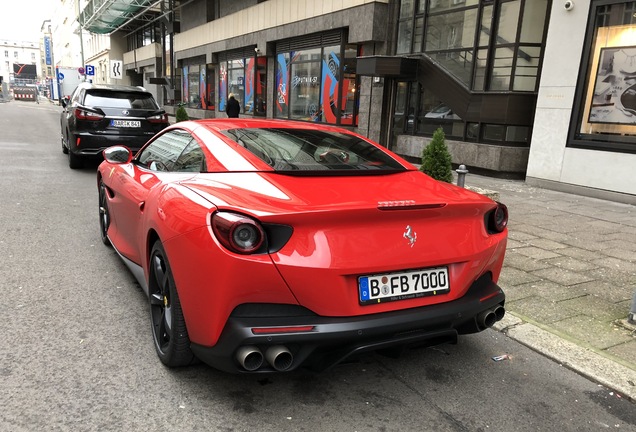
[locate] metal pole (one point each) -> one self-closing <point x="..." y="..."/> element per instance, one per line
<point x="461" y="175"/>
<point x="631" y="316"/>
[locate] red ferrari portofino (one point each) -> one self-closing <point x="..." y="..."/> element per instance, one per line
<point x="268" y="245"/>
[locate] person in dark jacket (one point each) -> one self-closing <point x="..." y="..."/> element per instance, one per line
<point x="233" y="107"/>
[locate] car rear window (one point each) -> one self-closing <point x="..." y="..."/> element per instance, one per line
<point x="304" y="150"/>
<point x="120" y="99"/>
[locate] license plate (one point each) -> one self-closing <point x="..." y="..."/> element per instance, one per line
<point x="125" y="123"/>
<point x="402" y="286"/>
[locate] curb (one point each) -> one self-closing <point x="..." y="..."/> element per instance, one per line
<point x="581" y="360"/>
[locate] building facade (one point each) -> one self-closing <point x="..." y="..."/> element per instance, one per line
<point x="520" y="87"/>
<point x="584" y="137"/>
<point x="20" y="62"/>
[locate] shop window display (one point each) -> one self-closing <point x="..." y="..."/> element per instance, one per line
<point x="607" y="111"/>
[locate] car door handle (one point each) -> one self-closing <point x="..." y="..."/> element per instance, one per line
<point x="141" y="205"/>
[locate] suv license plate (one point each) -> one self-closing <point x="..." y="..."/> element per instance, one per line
<point x="389" y="287"/>
<point x="125" y="123"/>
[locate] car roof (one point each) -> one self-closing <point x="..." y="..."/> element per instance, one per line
<point x="112" y="87"/>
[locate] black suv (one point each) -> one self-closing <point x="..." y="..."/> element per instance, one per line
<point x="98" y="116"/>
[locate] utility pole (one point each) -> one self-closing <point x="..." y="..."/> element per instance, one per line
<point x="81" y="30"/>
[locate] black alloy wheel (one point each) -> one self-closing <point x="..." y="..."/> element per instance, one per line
<point x="104" y="214"/>
<point x="169" y="331"/>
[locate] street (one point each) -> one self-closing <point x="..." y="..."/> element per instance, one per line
<point x="76" y="351"/>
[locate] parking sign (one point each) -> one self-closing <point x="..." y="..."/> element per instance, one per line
<point x="90" y="70"/>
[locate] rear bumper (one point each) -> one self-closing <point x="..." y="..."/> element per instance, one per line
<point x="93" y="144"/>
<point x="332" y="340"/>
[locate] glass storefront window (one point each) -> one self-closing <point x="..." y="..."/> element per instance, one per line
<point x="606" y="102"/>
<point x="283" y="67"/>
<point x="260" y="82"/>
<point x="222" y="86"/>
<point x="349" y="108"/>
<point x="317" y="84"/>
<point x="236" y="81"/>
<point x="193" y="88"/>
<point x="304" y="102"/>
<point x="210" y="93"/>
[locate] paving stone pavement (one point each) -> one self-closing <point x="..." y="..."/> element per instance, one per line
<point x="570" y="268"/>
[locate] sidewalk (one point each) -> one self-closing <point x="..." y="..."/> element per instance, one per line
<point x="569" y="277"/>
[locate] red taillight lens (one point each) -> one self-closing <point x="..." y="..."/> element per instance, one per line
<point x="498" y="218"/>
<point x="82" y="114"/>
<point x="238" y="233"/>
<point x="159" y="118"/>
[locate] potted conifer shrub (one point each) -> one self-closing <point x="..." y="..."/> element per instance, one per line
<point x="181" y="114"/>
<point x="436" y="160"/>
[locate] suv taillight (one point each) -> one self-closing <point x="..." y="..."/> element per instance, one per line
<point x="82" y="114"/>
<point x="159" y="118"/>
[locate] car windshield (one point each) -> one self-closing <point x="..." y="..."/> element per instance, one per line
<point x="120" y="99"/>
<point x="308" y="151"/>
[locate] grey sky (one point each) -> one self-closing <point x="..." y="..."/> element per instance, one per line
<point x="21" y="20"/>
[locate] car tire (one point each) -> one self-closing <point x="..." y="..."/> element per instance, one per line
<point x="64" y="148"/>
<point x="104" y="214"/>
<point x="169" y="331"/>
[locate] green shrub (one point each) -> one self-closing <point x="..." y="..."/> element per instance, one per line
<point x="181" y="113"/>
<point x="436" y="160"/>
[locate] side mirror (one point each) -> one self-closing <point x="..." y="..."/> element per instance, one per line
<point x="117" y="155"/>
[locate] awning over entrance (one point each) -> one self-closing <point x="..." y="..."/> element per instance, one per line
<point x="106" y="16"/>
<point x="387" y="66"/>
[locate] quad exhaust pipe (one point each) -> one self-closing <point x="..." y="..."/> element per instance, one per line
<point x="488" y="318"/>
<point x="251" y="358"/>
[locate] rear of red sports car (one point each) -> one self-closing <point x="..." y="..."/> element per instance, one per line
<point x="297" y="266"/>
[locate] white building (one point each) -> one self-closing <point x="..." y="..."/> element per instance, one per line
<point x="584" y="137"/>
<point x="21" y="60"/>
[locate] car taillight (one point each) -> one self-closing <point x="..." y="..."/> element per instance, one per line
<point x="82" y="114"/>
<point x="159" y="118"/>
<point x="238" y="233"/>
<point x="497" y="219"/>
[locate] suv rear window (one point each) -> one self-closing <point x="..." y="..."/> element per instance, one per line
<point x="120" y="99"/>
<point x="295" y="150"/>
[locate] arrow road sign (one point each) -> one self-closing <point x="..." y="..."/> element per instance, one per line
<point x="116" y="67"/>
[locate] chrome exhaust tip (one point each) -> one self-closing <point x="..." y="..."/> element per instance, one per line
<point x="249" y="357"/>
<point x="279" y="357"/>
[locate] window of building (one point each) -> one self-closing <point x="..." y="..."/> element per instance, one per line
<point x="6" y="53"/>
<point x="196" y="93"/>
<point x="461" y="35"/>
<point x="236" y="81"/>
<point x="318" y="84"/>
<point x="15" y="54"/>
<point x="605" y="104"/>
<point x="246" y="80"/>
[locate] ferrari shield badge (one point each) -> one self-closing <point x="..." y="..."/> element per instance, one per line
<point x="410" y="235"/>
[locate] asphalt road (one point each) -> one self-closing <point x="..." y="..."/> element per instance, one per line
<point x="76" y="352"/>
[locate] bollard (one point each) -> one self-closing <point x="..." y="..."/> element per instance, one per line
<point x="631" y="316"/>
<point x="461" y="175"/>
